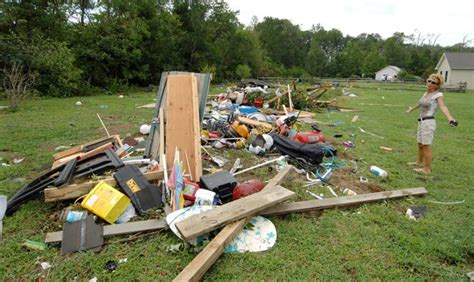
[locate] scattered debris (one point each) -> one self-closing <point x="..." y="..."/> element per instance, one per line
<point x="3" y="208"/>
<point x="61" y="148"/>
<point x="447" y="203"/>
<point x="125" y="180"/>
<point x="416" y="212"/>
<point x="18" y="161"/>
<point x="378" y="171"/>
<point x="34" y="245"/>
<point x="145" y="129"/>
<point x="111" y="265"/>
<point x="371" y="134"/>
<point x="45" y="265"/>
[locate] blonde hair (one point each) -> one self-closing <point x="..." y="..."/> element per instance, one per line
<point x="438" y="78"/>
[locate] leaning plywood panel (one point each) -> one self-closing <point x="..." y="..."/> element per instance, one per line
<point x="182" y="123"/>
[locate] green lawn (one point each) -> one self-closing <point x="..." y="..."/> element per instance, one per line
<point x="373" y="241"/>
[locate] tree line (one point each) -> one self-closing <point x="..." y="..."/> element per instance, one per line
<point x="74" y="47"/>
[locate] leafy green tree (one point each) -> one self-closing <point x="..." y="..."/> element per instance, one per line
<point x="54" y="65"/>
<point x="284" y="42"/>
<point x="243" y="71"/>
<point x="350" y="59"/>
<point x="325" y="47"/>
<point x="372" y="63"/>
<point x="394" y="51"/>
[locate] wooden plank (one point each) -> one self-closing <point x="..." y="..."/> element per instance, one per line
<point x="117" y="229"/>
<point x="182" y="122"/>
<point x="312" y="205"/>
<point x="74" y="191"/>
<point x="206" y="258"/>
<point x="80" y="148"/>
<point x="82" y="155"/>
<point x="255" y="123"/>
<point x="209" y="255"/>
<point x="210" y="220"/>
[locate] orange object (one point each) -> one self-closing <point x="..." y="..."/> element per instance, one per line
<point x="241" y="129"/>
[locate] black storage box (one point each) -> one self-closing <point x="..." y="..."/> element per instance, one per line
<point x="222" y="183"/>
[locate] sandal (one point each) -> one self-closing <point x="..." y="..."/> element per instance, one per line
<point x="421" y="170"/>
<point x="413" y="164"/>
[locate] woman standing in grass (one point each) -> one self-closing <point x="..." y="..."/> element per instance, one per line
<point x="426" y="121"/>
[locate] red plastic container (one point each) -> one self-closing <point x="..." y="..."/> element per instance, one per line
<point x="258" y="102"/>
<point x="189" y="190"/>
<point x="247" y="188"/>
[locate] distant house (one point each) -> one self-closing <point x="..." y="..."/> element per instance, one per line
<point x="388" y="73"/>
<point x="457" y="68"/>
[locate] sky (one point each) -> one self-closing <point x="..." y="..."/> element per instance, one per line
<point x="449" y="21"/>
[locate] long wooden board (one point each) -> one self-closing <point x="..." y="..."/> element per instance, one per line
<point x="117" y="229"/>
<point x="210" y="220"/>
<point x="74" y="191"/>
<point x="206" y="258"/>
<point x="182" y="123"/>
<point x="312" y="205"/>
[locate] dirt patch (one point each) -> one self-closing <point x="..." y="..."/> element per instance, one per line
<point x="344" y="178"/>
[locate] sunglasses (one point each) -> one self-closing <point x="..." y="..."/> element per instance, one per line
<point x="432" y="82"/>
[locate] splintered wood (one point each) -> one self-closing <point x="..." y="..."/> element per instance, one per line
<point x="182" y="123"/>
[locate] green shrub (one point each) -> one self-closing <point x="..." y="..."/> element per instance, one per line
<point x="243" y="71"/>
<point x="54" y="66"/>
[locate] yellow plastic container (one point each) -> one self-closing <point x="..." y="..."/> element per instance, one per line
<point x="106" y="202"/>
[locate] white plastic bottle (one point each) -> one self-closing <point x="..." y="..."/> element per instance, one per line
<point x="378" y="171"/>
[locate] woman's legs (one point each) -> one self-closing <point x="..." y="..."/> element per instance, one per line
<point x="421" y="155"/>
<point x="428" y="156"/>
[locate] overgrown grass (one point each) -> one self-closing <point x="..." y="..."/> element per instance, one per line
<point x="373" y="241"/>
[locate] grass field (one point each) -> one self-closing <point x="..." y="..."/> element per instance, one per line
<point x="372" y="241"/>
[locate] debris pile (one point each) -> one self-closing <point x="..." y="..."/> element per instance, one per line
<point x="118" y="184"/>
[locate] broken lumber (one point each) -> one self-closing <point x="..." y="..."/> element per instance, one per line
<point x="255" y="123"/>
<point x="87" y="147"/>
<point x="312" y="205"/>
<point x="54" y="194"/>
<point x="209" y="255"/>
<point x="210" y="220"/>
<point x="117" y="229"/>
<point x="206" y="258"/>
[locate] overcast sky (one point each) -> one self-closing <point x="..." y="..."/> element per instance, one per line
<point x="451" y="19"/>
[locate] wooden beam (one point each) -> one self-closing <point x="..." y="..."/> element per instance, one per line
<point x="206" y="258"/>
<point x="312" y="205"/>
<point x="208" y="221"/>
<point x="74" y="191"/>
<point x="182" y="122"/>
<point x="80" y="148"/>
<point x="209" y="255"/>
<point x="117" y="229"/>
<point x="255" y="123"/>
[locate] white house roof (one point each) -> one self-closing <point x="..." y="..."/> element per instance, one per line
<point x="394" y="68"/>
<point x="458" y="61"/>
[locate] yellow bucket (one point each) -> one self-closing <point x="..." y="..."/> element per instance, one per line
<point x="106" y="202"/>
